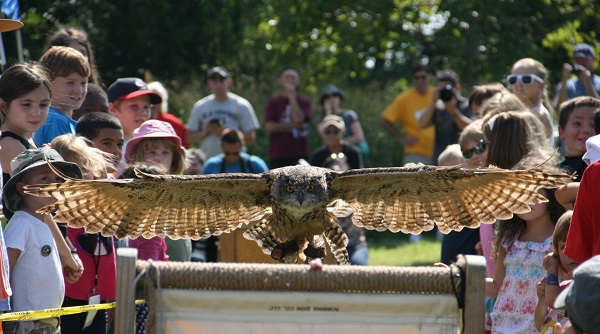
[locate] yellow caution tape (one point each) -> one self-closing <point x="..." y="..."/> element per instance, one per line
<point x="57" y="312"/>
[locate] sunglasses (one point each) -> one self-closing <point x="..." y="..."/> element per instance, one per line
<point x="477" y="150"/>
<point x="526" y="79"/>
<point x="332" y="132"/>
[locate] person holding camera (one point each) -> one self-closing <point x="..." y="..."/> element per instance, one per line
<point x="448" y="111"/>
<point x="584" y="82"/>
<point x="219" y="110"/>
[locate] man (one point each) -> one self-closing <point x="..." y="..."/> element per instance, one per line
<point x="448" y="111"/>
<point x="585" y="82"/>
<point x="232" y="160"/>
<point x="406" y="110"/>
<point x="222" y="109"/>
<point x="286" y="121"/>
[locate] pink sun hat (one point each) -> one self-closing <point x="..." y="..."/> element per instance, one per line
<point x="151" y="129"/>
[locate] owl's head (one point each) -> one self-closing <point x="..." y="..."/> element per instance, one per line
<point x="300" y="186"/>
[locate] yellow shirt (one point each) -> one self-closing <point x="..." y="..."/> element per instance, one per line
<point x="406" y="110"/>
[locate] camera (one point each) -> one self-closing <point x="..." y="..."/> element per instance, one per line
<point x="216" y="121"/>
<point x="576" y="69"/>
<point x="447" y="93"/>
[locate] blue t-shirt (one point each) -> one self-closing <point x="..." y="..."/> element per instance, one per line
<point x="575" y="87"/>
<point x="251" y="164"/>
<point x="56" y="124"/>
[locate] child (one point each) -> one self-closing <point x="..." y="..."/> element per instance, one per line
<point x="575" y="127"/>
<point x="70" y="72"/>
<point x="472" y="145"/>
<point x="104" y="131"/>
<point x="520" y="245"/>
<point x="36" y="276"/>
<point x="155" y="142"/>
<point x="96" y="252"/>
<point x="129" y="99"/>
<point x="560" y="272"/>
<point x="456" y="242"/>
<point x="24" y="108"/>
<point x="95" y="100"/>
<point x="527" y="80"/>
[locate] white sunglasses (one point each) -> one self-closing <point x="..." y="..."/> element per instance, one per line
<point x="526" y="79"/>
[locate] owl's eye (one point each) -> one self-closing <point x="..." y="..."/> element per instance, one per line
<point x="311" y="187"/>
<point x="289" y="189"/>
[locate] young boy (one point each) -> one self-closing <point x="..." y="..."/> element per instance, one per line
<point x="575" y="126"/>
<point x="129" y="100"/>
<point x="36" y="275"/>
<point x="95" y="100"/>
<point x="70" y="72"/>
<point x="104" y="131"/>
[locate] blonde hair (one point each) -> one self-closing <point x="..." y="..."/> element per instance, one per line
<point x="451" y="154"/>
<point x="503" y="101"/>
<point x="542" y="72"/>
<point x="138" y="155"/>
<point x="80" y="150"/>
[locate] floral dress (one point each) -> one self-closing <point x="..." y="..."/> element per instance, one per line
<point x="517" y="298"/>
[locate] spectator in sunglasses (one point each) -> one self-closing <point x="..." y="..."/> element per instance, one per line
<point x="406" y="110"/>
<point x="447" y="110"/>
<point x="578" y="79"/>
<point x="528" y="81"/>
<point x="332" y="130"/>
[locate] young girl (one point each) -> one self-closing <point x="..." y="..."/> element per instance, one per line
<point x="155" y="142"/>
<point x="560" y="273"/>
<point x="528" y="81"/>
<point x="520" y="245"/>
<point x="96" y="252"/>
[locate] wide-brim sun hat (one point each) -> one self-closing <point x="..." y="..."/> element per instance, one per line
<point x="10" y="25"/>
<point x="27" y="160"/>
<point x="151" y="129"/>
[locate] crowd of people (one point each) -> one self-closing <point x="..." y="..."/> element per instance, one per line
<point x="57" y="110"/>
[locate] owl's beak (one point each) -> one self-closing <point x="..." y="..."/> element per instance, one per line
<point x="300" y="197"/>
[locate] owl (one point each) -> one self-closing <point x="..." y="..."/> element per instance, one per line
<point x="291" y="212"/>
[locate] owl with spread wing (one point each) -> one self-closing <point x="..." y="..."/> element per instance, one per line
<point x="291" y="212"/>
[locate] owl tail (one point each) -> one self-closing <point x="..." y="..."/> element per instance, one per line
<point x="264" y="236"/>
<point x="337" y="240"/>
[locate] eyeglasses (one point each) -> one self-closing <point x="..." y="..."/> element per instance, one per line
<point x="332" y="132"/>
<point x="526" y="79"/>
<point x="475" y="150"/>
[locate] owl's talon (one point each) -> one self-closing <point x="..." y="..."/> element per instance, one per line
<point x="313" y="252"/>
<point x="284" y="249"/>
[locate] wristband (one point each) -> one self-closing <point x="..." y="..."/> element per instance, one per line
<point x="551" y="279"/>
<point x="74" y="251"/>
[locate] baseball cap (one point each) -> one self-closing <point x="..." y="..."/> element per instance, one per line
<point x="151" y="129"/>
<point x="9" y="25"/>
<point x="333" y="120"/>
<point x="583" y="50"/>
<point x="129" y="88"/>
<point x="27" y="160"/>
<point x="217" y="71"/>
<point x="582" y="296"/>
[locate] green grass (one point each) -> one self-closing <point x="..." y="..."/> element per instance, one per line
<point x="394" y="249"/>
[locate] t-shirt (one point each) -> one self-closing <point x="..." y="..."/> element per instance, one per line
<point x="574" y="165"/>
<point x="246" y="164"/>
<point x="575" y="87"/>
<point x="56" y="124"/>
<point x="289" y="144"/>
<point x="407" y="110"/>
<point x="235" y="113"/>
<point x="36" y="278"/>
<point x="446" y="130"/>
